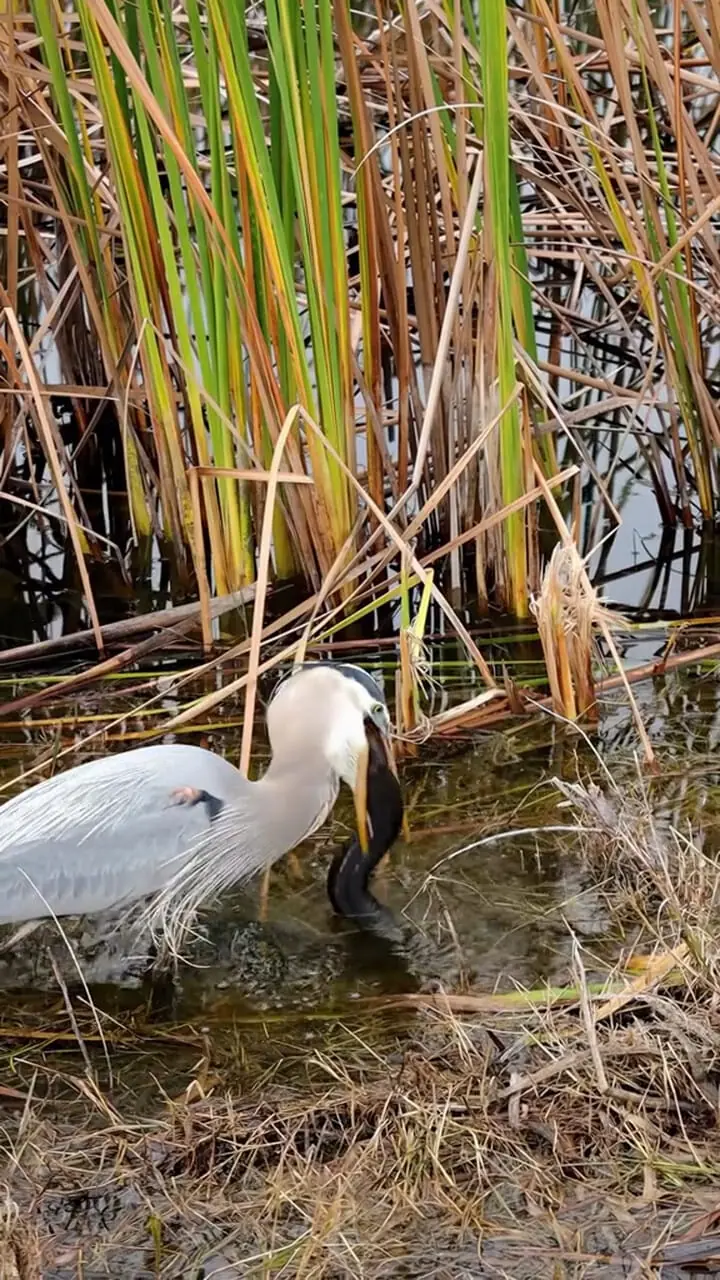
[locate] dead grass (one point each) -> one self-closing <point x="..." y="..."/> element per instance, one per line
<point x="545" y="1137"/>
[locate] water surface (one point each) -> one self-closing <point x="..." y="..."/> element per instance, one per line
<point x="477" y="904"/>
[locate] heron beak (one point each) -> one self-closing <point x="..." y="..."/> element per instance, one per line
<point x="361" y="797"/>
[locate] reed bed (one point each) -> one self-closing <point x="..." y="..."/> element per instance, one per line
<point x="549" y="1133"/>
<point x="395" y="275"/>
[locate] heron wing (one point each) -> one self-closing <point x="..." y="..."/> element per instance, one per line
<point x="107" y="831"/>
<point x="252" y="833"/>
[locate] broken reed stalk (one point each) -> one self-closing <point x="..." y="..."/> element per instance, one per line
<point x="115" y="632"/>
<point x="567" y="614"/>
<point x="585" y="611"/>
<point x="405" y="686"/>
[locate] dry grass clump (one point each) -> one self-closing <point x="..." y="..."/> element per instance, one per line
<point x="19" y="1243"/>
<point x="518" y="1137"/>
<point x="663" y="882"/>
<point x="504" y="1130"/>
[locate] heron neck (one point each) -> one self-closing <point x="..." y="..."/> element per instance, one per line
<point x="290" y="801"/>
<point x="299" y="772"/>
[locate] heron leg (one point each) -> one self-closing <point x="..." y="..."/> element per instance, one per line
<point x="160" y="984"/>
<point x="264" y="891"/>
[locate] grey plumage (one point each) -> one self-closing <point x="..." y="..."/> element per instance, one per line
<point x="177" y="823"/>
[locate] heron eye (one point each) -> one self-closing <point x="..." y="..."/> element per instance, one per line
<point x="377" y="709"/>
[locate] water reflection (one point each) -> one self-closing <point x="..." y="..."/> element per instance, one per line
<point x="663" y="574"/>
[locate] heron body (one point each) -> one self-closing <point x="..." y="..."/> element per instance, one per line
<point x="117" y="829"/>
<point x="178" y="824"/>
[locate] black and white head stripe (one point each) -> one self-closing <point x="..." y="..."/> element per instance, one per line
<point x="346" y="669"/>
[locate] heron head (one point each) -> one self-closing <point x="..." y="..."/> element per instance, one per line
<point x="341" y="705"/>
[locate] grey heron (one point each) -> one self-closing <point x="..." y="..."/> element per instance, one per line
<point x="174" y="825"/>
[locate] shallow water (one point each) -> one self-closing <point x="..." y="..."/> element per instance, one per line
<point x="279" y="994"/>
<point x="477" y="903"/>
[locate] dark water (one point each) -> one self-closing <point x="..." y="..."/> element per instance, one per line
<point x="483" y="893"/>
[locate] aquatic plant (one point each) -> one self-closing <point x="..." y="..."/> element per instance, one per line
<point x="416" y="280"/>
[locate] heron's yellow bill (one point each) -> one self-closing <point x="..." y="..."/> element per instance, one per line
<point x="361" y="797"/>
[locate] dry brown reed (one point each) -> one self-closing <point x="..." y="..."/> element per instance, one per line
<point x="131" y="298"/>
<point x="569" y="617"/>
